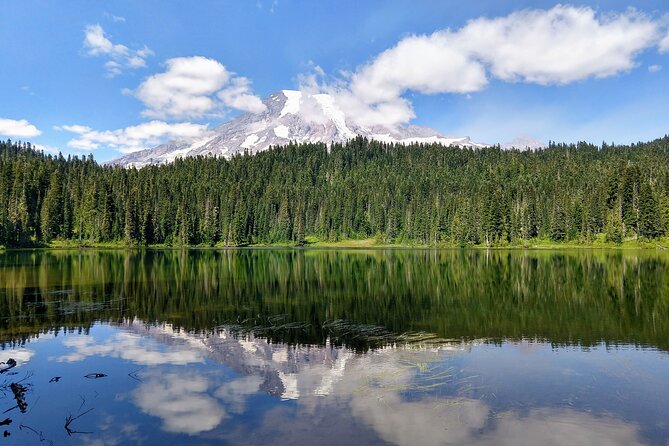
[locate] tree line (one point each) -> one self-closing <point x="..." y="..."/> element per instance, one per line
<point x="420" y="193"/>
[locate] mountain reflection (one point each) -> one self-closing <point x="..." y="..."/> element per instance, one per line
<point x="402" y="394"/>
<point x="348" y="347"/>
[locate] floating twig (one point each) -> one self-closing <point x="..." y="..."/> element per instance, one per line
<point x="69" y="420"/>
<point x="134" y="376"/>
<point x="40" y="434"/>
<point x="95" y="375"/>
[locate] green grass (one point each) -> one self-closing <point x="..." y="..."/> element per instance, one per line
<point x="378" y="242"/>
<point x="74" y="244"/>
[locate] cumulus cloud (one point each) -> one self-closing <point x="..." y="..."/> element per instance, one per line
<point x="238" y="96"/>
<point x="428" y="64"/>
<point x="97" y="43"/>
<point x="557" y="46"/>
<point x="133" y="138"/>
<point x="18" y="128"/>
<point x="192" y="87"/>
<point x="655" y="68"/>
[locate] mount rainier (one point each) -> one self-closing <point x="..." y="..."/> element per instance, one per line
<point x="290" y="115"/>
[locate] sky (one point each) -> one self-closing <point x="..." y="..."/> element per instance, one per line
<point x="114" y="77"/>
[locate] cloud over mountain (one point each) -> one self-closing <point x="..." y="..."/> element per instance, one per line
<point x="192" y="87"/>
<point x="556" y="46"/>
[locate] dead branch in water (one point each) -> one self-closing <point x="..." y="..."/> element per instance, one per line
<point x="69" y="420"/>
<point x="19" y="391"/>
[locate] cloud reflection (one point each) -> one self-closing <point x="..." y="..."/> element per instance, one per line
<point x="20" y="355"/>
<point x="391" y="394"/>
<point x="130" y="347"/>
<point x="181" y="400"/>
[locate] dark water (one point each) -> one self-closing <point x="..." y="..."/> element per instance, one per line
<point x="407" y="347"/>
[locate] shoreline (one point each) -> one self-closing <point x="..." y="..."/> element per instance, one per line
<point x="363" y="244"/>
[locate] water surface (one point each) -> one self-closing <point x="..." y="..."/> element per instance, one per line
<point x="399" y="347"/>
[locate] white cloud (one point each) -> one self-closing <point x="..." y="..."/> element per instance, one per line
<point x="192" y="87"/>
<point x="428" y="64"/>
<point x="133" y="138"/>
<point x="556" y="46"/>
<point x="238" y="96"/>
<point x="655" y="68"/>
<point x="18" y="128"/>
<point x="664" y="43"/>
<point x="114" y="18"/>
<point x="120" y="56"/>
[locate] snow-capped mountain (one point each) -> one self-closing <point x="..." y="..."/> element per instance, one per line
<point x="524" y="143"/>
<point x="290" y="116"/>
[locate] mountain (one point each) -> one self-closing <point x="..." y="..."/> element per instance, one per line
<point x="524" y="142"/>
<point x="290" y="116"/>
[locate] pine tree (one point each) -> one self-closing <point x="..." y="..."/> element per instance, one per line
<point x="630" y="199"/>
<point x="649" y="213"/>
<point x="614" y="227"/>
<point x="52" y="209"/>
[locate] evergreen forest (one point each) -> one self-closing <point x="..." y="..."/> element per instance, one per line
<point x="419" y="194"/>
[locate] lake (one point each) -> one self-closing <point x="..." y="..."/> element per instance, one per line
<point x="273" y="346"/>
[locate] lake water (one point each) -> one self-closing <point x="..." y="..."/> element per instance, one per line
<point x="406" y="347"/>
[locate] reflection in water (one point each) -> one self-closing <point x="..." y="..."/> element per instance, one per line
<point x="181" y="399"/>
<point x="129" y="347"/>
<point x="294" y="296"/>
<point x="292" y="347"/>
<point x="404" y="394"/>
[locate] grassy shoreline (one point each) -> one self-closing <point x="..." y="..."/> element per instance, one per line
<point x="370" y="243"/>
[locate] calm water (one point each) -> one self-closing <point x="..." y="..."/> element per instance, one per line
<point x="406" y="347"/>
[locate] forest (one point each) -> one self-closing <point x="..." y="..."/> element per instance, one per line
<point x="418" y="194"/>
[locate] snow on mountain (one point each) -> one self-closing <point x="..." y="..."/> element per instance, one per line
<point x="290" y="116"/>
<point x="524" y="143"/>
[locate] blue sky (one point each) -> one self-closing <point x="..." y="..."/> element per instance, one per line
<point x="87" y="77"/>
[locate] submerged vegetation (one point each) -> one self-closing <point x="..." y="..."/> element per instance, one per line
<point x="427" y="195"/>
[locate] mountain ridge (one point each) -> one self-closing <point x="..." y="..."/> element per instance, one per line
<point x="290" y="116"/>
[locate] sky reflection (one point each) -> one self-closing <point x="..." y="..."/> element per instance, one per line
<point x="247" y="390"/>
